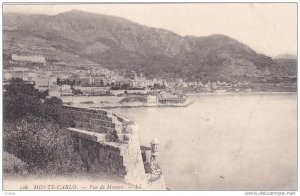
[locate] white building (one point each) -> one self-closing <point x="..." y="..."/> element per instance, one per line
<point x="54" y="91"/>
<point x="139" y="82"/>
<point x="20" y="69"/>
<point x="45" y="81"/>
<point x="29" y="76"/>
<point x="8" y="76"/>
<point x="35" y="59"/>
<point x="66" y="90"/>
<point x="152" y="99"/>
<point x="65" y="87"/>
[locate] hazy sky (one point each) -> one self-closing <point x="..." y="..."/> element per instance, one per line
<point x="268" y="28"/>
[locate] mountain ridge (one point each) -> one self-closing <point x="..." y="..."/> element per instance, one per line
<point x="118" y="43"/>
<point x="285" y="56"/>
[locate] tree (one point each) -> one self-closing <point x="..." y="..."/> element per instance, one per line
<point x="125" y="86"/>
<point x="101" y="83"/>
<point x="53" y="109"/>
<point x="20" y="99"/>
<point x="34" y="133"/>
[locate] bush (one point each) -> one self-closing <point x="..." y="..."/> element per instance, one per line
<point x="12" y="165"/>
<point x="33" y="131"/>
<point x="42" y="145"/>
<point x="134" y="99"/>
<point x="21" y="99"/>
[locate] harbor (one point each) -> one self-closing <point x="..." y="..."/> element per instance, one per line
<point x="129" y="101"/>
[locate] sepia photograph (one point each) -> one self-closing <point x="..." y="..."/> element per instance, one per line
<point x="150" y="96"/>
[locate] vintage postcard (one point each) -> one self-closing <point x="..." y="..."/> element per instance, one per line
<point x="150" y="96"/>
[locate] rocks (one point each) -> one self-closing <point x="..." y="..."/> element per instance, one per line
<point x="152" y="170"/>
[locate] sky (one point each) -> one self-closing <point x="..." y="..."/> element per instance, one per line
<point x="268" y="28"/>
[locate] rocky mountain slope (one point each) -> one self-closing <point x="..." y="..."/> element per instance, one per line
<point x="82" y="39"/>
<point x="287" y="63"/>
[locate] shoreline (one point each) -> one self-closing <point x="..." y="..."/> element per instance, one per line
<point x="112" y="105"/>
<point x="204" y="93"/>
<point x="240" y="93"/>
<point x="134" y="105"/>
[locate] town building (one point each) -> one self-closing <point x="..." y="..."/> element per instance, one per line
<point x="100" y="80"/>
<point x="66" y="90"/>
<point x="93" y="91"/>
<point x="166" y="98"/>
<point x="85" y="81"/>
<point x="54" y="91"/>
<point x="34" y="59"/>
<point x="7" y="75"/>
<point x="27" y="75"/>
<point x="138" y="81"/>
<point x="44" y="83"/>
<point x="20" y="69"/>
<point x="152" y="99"/>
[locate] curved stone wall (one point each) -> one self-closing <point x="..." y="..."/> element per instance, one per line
<point x="110" y="143"/>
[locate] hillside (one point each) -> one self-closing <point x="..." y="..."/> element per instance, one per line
<point x="288" y="63"/>
<point x="82" y="39"/>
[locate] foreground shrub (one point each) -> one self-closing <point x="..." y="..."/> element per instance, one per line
<point x="12" y="165"/>
<point x="42" y="145"/>
<point x="21" y="99"/>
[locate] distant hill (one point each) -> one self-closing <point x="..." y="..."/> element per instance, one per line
<point x="286" y="56"/>
<point x="84" y="38"/>
<point x="287" y="63"/>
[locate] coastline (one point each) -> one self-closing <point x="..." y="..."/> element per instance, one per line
<point x="134" y="105"/>
<point x="113" y="105"/>
<point x="240" y="93"/>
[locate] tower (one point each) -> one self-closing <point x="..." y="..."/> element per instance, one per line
<point x="154" y="148"/>
<point x="135" y="76"/>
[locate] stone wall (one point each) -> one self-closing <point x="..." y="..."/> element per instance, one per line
<point x="108" y="142"/>
<point x="100" y="158"/>
<point x="99" y="121"/>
